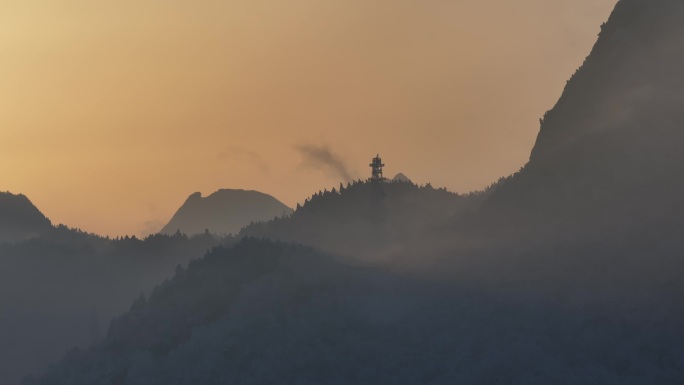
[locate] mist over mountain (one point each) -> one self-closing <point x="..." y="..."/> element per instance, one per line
<point x="568" y="272"/>
<point x="224" y="212"/>
<point x="264" y="312"/>
<point x="20" y="219"/>
<point x="368" y="222"/>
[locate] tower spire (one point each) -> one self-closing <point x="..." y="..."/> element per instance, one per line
<point x="376" y="167"/>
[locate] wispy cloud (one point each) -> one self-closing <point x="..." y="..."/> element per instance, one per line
<point x="323" y="158"/>
<point x="242" y="155"/>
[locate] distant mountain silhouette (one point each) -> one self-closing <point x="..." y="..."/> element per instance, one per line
<point x="20" y="219"/>
<point x="224" y="212"/>
<point x="401" y="178"/>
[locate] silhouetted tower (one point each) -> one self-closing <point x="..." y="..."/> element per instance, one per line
<point x="377" y="190"/>
<point x="377" y="166"/>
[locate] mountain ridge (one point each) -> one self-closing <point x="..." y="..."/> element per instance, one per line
<point x="225" y="211"/>
<point x="20" y="219"/>
<point x="612" y="142"/>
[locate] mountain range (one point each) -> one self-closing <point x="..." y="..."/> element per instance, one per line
<point x="60" y="287"/>
<point x="568" y="272"/>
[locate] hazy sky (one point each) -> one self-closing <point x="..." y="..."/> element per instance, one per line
<point x="112" y="113"/>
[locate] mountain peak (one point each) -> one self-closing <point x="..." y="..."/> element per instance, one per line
<point x="225" y="211"/>
<point x="20" y="219"/>
<point x="615" y="133"/>
<point x="401" y="178"/>
<point x="632" y="75"/>
<point x="195" y="196"/>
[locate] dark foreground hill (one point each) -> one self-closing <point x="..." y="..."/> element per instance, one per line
<point x="224" y="212"/>
<point x="250" y="280"/>
<point x="265" y="313"/>
<point x="61" y="289"/>
<point x="20" y="219"/>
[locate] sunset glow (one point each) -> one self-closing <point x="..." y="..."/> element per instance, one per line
<point x="112" y="113"/>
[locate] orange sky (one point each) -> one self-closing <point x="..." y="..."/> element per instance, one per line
<point x="112" y="113"/>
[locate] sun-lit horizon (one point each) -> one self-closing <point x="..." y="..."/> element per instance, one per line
<point x="111" y="115"/>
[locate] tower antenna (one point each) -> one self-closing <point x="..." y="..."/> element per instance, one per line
<point x="377" y="165"/>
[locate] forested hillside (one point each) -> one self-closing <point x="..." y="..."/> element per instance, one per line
<point x="368" y="222"/>
<point x="264" y="313"/>
<point x="60" y="290"/>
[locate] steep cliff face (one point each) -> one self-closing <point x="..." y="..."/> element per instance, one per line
<point x="224" y="212"/>
<point x="612" y="147"/>
<point x="20" y="219"/>
<point x="630" y="84"/>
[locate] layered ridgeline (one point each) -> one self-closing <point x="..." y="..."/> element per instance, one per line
<point x="265" y="313"/>
<point x="224" y="212"/>
<point x="20" y="219"/>
<point x="609" y="154"/>
<point x="566" y="309"/>
<point x="248" y="284"/>
<point x="59" y="287"/>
